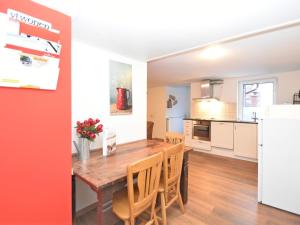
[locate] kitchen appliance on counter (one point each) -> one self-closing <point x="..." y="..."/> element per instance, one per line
<point x="201" y="130"/>
<point x="296" y="98"/>
<point x="279" y="157"/>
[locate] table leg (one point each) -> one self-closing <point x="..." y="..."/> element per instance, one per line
<point x="184" y="178"/>
<point x="73" y="199"/>
<point x="105" y="215"/>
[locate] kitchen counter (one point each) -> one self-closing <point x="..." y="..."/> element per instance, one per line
<point x="216" y="120"/>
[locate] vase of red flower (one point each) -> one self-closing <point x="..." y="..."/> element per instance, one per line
<point x="87" y="132"/>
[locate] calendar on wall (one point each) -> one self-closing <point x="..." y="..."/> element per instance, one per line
<point x="29" y="52"/>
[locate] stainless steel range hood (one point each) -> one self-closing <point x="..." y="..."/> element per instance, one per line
<point x="207" y="89"/>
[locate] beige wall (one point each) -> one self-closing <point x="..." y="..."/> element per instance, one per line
<point x="156" y="110"/>
<point x="287" y="84"/>
<point x="214" y="110"/>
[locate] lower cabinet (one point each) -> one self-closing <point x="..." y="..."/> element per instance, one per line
<point x="245" y="140"/>
<point x="227" y="138"/>
<point x="203" y="145"/>
<point x="187" y="129"/>
<point x="222" y="135"/>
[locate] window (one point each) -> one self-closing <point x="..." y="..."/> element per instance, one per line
<point x="254" y="96"/>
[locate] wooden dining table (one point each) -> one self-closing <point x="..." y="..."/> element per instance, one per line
<point x="108" y="174"/>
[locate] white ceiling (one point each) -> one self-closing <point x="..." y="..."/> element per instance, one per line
<point x="267" y="53"/>
<point x="149" y="30"/>
<point x="144" y="29"/>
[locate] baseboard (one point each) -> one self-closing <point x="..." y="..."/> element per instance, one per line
<point x="224" y="153"/>
<point x="157" y="139"/>
<point x="86" y="209"/>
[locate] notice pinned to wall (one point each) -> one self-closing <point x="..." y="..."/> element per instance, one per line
<point x="29" y="52"/>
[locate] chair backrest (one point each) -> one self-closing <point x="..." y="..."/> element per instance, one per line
<point x="172" y="166"/>
<point x="174" y="138"/>
<point x="148" y="173"/>
<point x="150" y="125"/>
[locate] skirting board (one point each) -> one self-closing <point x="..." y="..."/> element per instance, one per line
<point x="224" y="152"/>
<point x="86" y="210"/>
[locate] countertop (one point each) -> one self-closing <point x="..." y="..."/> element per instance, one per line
<point x="216" y="120"/>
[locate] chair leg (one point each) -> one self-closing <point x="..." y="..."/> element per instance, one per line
<point x="132" y="221"/>
<point x="180" y="203"/>
<point x="155" y="218"/>
<point x="163" y="208"/>
<point x="126" y="222"/>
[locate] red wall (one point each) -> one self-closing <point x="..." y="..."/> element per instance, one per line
<point x="35" y="139"/>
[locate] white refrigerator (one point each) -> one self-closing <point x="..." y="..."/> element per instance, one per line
<point x="279" y="158"/>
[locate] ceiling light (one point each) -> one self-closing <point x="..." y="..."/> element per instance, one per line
<point x="214" y="52"/>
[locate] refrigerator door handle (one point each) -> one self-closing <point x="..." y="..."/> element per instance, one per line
<point x="260" y="161"/>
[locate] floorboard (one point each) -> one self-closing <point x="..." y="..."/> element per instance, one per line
<point x="222" y="191"/>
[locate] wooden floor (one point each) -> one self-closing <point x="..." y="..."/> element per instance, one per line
<point x="222" y="191"/>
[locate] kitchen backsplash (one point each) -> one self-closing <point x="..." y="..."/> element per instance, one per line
<point x="214" y="109"/>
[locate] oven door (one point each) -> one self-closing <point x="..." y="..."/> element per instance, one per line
<point x="201" y="132"/>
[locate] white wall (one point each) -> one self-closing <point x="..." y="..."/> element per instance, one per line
<point x="287" y="84"/>
<point x="90" y="98"/>
<point x="181" y="109"/>
<point x="156" y="110"/>
<point x="182" y="94"/>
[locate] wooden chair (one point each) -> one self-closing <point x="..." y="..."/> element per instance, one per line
<point x="169" y="188"/>
<point x="174" y="138"/>
<point x="150" y="125"/>
<point x="131" y="203"/>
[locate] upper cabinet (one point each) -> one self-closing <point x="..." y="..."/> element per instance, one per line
<point x="195" y="90"/>
<point x="245" y="140"/>
<point x="222" y="135"/>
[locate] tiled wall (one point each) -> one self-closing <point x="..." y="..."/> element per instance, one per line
<point x="215" y="109"/>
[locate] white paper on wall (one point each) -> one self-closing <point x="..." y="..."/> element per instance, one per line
<point x="27" y="61"/>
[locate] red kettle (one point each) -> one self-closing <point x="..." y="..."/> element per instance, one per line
<point x="123" y="96"/>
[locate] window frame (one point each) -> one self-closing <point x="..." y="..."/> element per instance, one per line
<point x="241" y="83"/>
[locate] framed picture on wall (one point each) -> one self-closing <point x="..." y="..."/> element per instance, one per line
<point x="120" y="75"/>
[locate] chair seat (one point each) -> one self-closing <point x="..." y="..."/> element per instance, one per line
<point x="120" y="204"/>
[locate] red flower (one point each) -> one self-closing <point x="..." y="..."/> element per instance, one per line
<point x="88" y="129"/>
<point x="99" y="128"/>
<point x="78" y="130"/>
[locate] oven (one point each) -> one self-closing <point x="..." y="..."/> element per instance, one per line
<point x="201" y="130"/>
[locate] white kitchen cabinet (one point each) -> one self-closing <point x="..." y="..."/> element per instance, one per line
<point x="202" y="145"/>
<point x="187" y="130"/>
<point x="194" y="143"/>
<point x="195" y="90"/>
<point x="245" y="140"/>
<point x="222" y="134"/>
